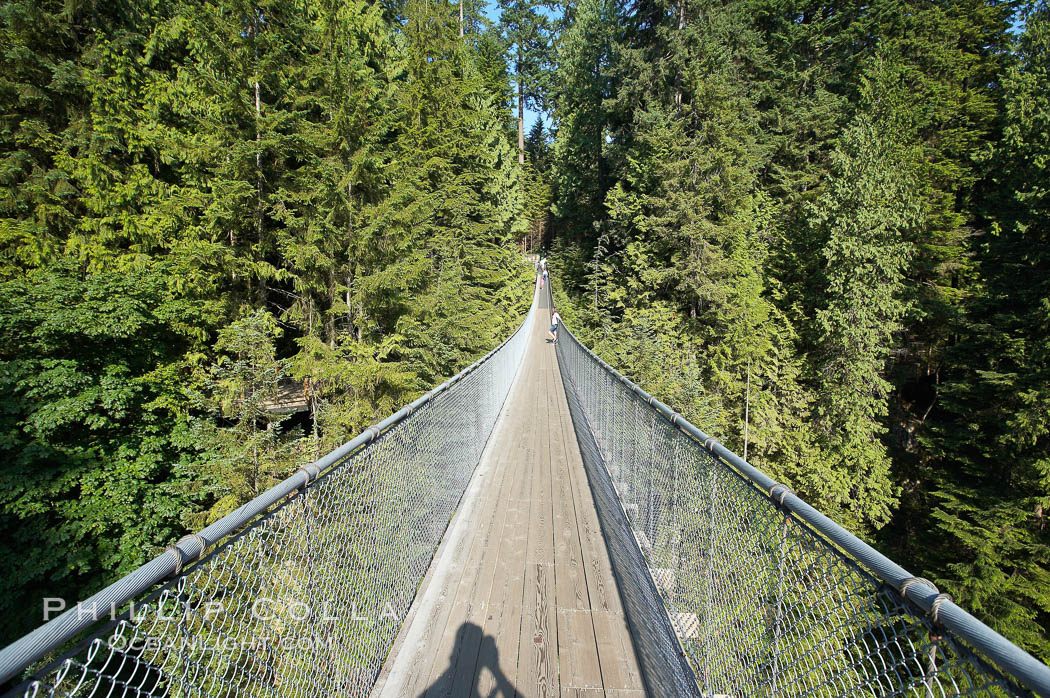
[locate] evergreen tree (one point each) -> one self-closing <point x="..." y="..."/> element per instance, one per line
<point x="246" y="381"/>
<point x="582" y="84"/>
<point x="214" y="200"/>
<point x="990" y="475"/>
<point x="865" y="217"/>
<point x="526" y="33"/>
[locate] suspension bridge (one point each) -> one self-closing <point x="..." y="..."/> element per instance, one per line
<point x="538" y="525"/>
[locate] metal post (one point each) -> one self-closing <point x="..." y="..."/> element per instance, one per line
<point x="709" y="596"/>
<point x="778" y="612"/>
<point x="747" y="406"/>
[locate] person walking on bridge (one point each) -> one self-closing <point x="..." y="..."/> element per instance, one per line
<point x="555" y="321"/>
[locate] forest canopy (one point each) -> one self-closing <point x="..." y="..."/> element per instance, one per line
<point x="203" y="204"/>
<point x="822" y="224"/>
<point x="830" y="217"/>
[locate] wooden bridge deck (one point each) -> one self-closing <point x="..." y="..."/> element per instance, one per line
<point x="521" y="599"/>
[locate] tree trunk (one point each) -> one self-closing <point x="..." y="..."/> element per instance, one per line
<point x="747" y="407"/>
<point x="313" y="423"/>
<point x="521" y="114"/>
<point x="461" y="18"/>
<point x="258" y="161"/>
<point x="677" y="72"/>
<point x="258" y="135"/>
<point x="258" y="153"/>
<point x="333" y="295"/>
<point x="349" y="309"/>
<point x="233" y="233"/>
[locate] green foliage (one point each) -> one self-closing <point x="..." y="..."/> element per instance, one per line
<point x="581" y="86"/>
<point x="253" y="452"/>
<point x="993" y="435"/>
<point x="675" y="282"/>
<point x="864" y="217"/>
<point x="96" y="446"/>
<point x="846" y="203"/>
<point x="827" y="216"/>
<point x="203" y="205"/>
<point x="526" y="32"/>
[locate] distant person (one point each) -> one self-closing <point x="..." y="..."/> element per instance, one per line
<point x="553" y="331"/>
<point x="543" y="279"/>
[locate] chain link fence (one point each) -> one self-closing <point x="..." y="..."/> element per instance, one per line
<point x="757" y="593"/>
<point x="309" y="584"/>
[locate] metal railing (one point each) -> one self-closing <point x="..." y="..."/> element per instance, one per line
<point x="310" y="582"/>
<point x="759" y="593"/>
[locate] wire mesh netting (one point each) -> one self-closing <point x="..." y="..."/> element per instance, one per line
<point x="758" y="601"/>
<point x="307" y="598"/>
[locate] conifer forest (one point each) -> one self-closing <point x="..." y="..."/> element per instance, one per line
<point x="819" y="230"/>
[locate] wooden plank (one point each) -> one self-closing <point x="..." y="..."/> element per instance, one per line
<point x="471" y="634"/>
<point x="535" y="610"/>
<point x="538" y="670"/>
<point x="522" y="449"/>
<point x="570" y="576"/>
<point x="616" y="652"/>
<point x="600" y="693"/>
<point x="497" y="665"/>
<point x="541" y="513"/>
<point x="484" y="650"/>
<point x="456" y="648"/>
<point x="577" y="645"/>
<point x="538" y="661"/>
<point x="421" y="673"/>
<point x="455" y="654"/>
<point x="572" y="692"/>
<point x="450" y="664"/>
<point x="601" y="585"/>
<point x="577" y="650"/>
<point x="498" y="654"/>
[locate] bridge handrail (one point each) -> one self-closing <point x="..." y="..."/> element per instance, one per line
<point x="54" y="634"/>
<point x="1026" y="669"/>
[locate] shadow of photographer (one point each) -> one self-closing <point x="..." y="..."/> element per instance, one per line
<point x="473" y="652"/>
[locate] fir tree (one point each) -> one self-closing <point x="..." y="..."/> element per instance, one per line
<point x="865" y="217"/>
<point x="989" y="490"/>
<point x="526" y="32"/>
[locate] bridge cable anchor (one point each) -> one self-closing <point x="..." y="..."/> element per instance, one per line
<point x="912" y="581"/>
<point x="174" y="548"/>
<point x="935" y="607"/>
<point x="784" y="491"/>
<point x="312" y="472"/>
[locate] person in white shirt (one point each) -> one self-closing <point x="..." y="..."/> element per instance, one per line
<point x="555" y="321"/>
